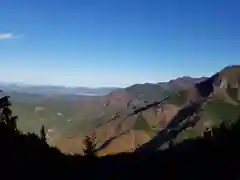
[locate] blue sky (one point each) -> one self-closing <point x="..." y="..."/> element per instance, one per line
<point x="116" y="42"/>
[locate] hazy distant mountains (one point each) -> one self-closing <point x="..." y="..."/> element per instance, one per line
<point x="156" y="91"/>
<point x="56" y="90"/>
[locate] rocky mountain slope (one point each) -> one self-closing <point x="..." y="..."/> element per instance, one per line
<point x="64" y="112"/>
<point x="133" y="116"/>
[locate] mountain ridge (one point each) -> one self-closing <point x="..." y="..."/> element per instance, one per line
<point x="113" y="116"/>
<point x="205" y="93"/>
<point x="53" y="90"/>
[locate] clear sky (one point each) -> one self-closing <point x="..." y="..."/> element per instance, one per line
<point x="116" y="42"/>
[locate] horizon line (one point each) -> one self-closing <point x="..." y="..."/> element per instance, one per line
<point x="20" y="83"/>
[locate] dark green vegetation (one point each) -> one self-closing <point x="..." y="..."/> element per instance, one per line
<point x="63" y="114"/>
<point x="179" y="98"/>
<point x="148" y="91"/>
<point x="222" y="111"/>
<point x="233" y="93"/>
<point x="216" y="112"/>
<point x="52" y="115"/>
<point x="189" y="133"/>
<point x="141" y="124"/>
<point x="214" y="156"/>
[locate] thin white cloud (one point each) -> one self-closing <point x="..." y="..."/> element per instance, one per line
<point x="6" y="35"/>
<point x="9" y="36"/>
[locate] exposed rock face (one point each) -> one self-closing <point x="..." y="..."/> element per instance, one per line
<point x="223" y="83"/>
<point x="166" y="113"/>
<point x="230" y="80"/>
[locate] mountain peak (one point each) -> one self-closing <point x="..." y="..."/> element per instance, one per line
<point x="231" y="71"/>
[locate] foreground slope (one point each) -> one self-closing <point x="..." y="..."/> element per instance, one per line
<point x="28" y="156"/>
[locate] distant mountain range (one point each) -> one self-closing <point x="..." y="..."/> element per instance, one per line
<point x="146" y="89"/>
<point x="112" y="113"/>
<point x="56" y="90"/>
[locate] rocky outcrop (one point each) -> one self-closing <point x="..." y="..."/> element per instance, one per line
<point x="223" y="83"/>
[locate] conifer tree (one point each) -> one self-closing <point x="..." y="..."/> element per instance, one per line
<point x="6" y="119"/>
<point x="90" y="145"/>
<point x="43" y="134"/>
<point x="170" y="144"/>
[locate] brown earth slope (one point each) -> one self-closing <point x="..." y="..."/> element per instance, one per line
<point x="116" y="133"/>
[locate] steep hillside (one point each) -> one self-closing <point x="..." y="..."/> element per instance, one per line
<point x="223" y="105"/>
<point x="148" y="92"/>
<point x="217" y="97"/>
